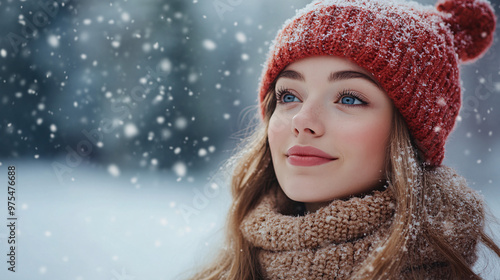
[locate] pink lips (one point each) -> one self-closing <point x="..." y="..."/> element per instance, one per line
<point x="307" y="156"/>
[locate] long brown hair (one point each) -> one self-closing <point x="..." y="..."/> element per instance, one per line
<point x="405" y="165"/>
<point x="254" y="175"/>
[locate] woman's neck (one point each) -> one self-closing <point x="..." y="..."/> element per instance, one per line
<point x="312" y="207"/>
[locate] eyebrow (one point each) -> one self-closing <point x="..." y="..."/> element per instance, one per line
<point x="334" y="76"/>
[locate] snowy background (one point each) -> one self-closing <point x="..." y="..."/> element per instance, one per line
<point x="119" y="114"/>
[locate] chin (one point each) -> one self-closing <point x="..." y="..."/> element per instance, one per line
<point x="306" y="195"/>
<point x="297" y="192"/>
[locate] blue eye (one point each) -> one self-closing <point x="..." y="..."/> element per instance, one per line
<point x="284" y="95"/>
<point x="350" y="100"/>
<point x="289" y="98"/>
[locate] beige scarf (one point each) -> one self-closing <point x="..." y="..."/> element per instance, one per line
<point x="331" y="242"/>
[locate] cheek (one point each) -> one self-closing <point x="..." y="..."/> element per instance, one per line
<point x="278" y="129"/>
<point x="367" y="142"/>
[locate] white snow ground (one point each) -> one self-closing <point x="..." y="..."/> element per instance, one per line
<point x="104" y="227"/>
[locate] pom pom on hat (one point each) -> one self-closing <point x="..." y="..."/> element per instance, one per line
<point x="472" y="23"/>
<point x="413" y="51"/>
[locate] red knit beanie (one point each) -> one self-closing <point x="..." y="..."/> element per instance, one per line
<point x="413" y="51"/>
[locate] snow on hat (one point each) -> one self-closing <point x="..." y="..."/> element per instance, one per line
<point x="413" y="51"/>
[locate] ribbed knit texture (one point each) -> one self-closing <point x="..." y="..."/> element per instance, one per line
<point x="413" y="51"/>
<point x="332" y="242"/>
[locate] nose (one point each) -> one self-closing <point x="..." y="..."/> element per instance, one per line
<point x="308" y="121"/>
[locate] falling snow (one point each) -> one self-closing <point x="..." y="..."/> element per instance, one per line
<point x="241" y="37"/>
<point x="209" y="45"/>
<point x="181" y="123"/>
<point x="180" y="169"/>
<point x="202" y="152"/>
<point x="53" y="41"/>
<point x="114" y="170"/>
<point x="156" y="90"/>
<point x="130" y="130"/>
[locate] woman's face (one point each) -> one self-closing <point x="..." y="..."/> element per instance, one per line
<point x="330" y="129"/>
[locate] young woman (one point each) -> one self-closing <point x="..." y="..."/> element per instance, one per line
<point x="343" y="179"/>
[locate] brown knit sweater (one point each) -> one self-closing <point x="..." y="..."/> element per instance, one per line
<point x="333" y="241"/>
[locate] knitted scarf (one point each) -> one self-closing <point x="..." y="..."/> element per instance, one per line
<point x="333" y="241"/>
